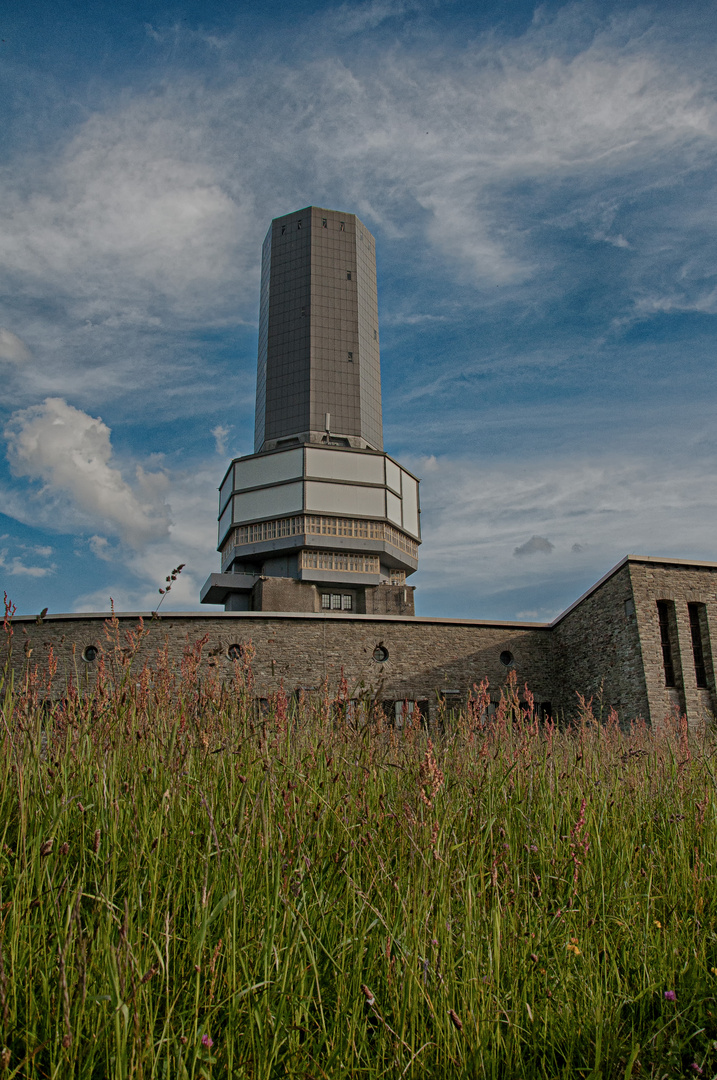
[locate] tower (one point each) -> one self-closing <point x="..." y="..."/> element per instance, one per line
<point x="318" y="517"/>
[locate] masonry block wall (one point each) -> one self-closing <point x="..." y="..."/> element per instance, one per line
<point x="426" y="658"/>
<point x="689" y="592"/>
<point x="597" y="651"/>
<point x="640" y="641"/>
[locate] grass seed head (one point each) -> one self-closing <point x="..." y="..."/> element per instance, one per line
<point x="455" y="1020"/>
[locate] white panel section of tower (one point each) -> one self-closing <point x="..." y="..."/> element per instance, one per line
<point x="393" y="508"/>
<point x="257" y="470"/>
<point x="267" y="502"/>
<point x="393" y="476"/>
<point x="344" y="465"/>
<point x="410" y="505"/>
<point x="349" y="499"/>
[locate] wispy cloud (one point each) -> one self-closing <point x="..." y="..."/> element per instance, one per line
<point x="12" y="349"/>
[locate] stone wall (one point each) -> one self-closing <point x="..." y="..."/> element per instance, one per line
<point x="606" y="646"/>
<point x="426" y="657"/>
<point x="597" y="651"/>
<point x="681" y="584"/>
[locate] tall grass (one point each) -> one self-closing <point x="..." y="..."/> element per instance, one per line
<point x="190" y="890"/>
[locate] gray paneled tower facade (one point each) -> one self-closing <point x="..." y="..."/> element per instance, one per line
<point x="318" y="517"/>
<point x="319" y="368"/>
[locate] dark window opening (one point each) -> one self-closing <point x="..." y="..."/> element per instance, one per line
<point x="283" y="229"/>
<point x="506" y="658"/>
<point x="337" y="602"/>
<point x="697" y="646"/>
<point x="351" y="357"/>
<point x="629" y="608"/>
<point x="298" y="224"/>
<point x="324" y="223"/>
<point x="342" y="226"/>
<point x="235" y="652"/>
<point x="663" y="614"/>
<point x="348" y="275"/>
<point x="380" y="654"/>
<point x="546" y="710"/>
<point x="91" y="652"/>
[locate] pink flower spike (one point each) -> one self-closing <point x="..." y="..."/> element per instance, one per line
<point x="670" y="995"/>
<point x="207" y="1042"/>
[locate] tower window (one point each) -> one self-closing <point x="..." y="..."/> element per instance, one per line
<point x="283" y="229"/>
<point x="348" y="275"/>
<point x="375" y="336"/>
<point x="697" y="645"/>
<point x="337" y="602"/>
<point x="350" y="357"/>
<point x="342" y="226"/>
<point x="298" y="224"/>
<point x="663" y="615"/>
<point x="324" y="223"/>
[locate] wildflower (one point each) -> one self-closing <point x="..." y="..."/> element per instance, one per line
<point x="96" y="845"/>
<point x="534" y="957"/>
<point x="65" y="848"/>
<point x="658" y="924"/>
<point x="670" y="995"/>
<point x="207" y="1042"/>
<point x="370" y="999"/>
<point x="573" y="948"/>
<point x="695" y="1068"/>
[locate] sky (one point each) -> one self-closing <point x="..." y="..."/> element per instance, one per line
<point x="540" y="180"/>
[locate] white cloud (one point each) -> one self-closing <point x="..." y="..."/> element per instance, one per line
<point x="12" y="349"/>
<point x="71" y="454"/>
<point x="221" y="433"/>
<point x="17" y="566"/>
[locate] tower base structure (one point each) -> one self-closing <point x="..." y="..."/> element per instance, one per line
<point x="317" y="528"/>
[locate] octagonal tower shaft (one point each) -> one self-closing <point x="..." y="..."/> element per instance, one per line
<point x="319" y="371"/>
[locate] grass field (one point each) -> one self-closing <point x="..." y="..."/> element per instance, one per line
<point x="190" y="890"/>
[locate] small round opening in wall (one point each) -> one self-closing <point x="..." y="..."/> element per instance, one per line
<point x="506" y="658"/>
<point x="90" y="653"/>
<point x="235" y="652"/>
<point x="380" y="654"/>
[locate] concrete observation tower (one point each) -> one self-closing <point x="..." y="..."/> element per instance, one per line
<point x="318" y="518"/>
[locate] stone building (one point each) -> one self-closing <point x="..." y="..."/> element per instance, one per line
<point x="319" y="529"/>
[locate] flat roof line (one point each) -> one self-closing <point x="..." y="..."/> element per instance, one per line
<point x="321" y="615"/>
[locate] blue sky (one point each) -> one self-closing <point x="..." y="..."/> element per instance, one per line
<point x="540" y="181"/>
